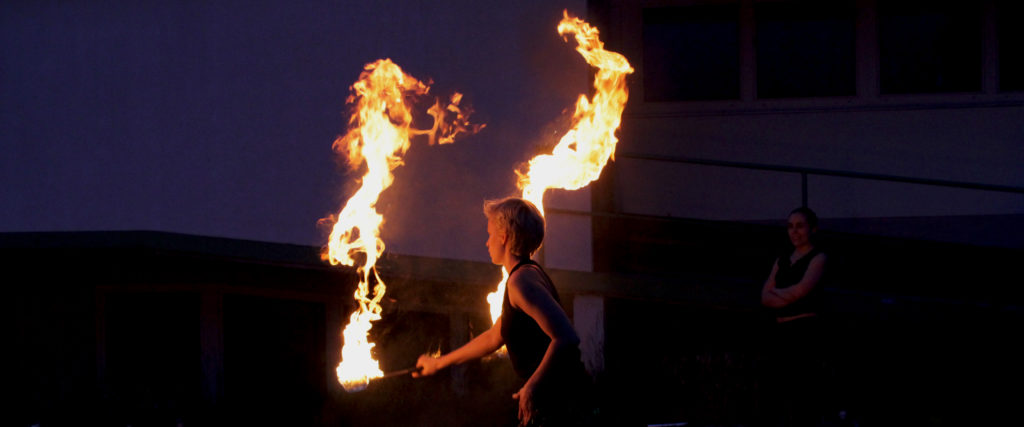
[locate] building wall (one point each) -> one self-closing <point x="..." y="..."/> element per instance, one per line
<point x="159" y="328"/>
<point x="964" y="129"/>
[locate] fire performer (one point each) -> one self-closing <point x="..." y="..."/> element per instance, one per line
<point x="541" y="342"/>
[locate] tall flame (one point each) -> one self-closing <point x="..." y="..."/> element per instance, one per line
<point x="379" y="134"/>
<point x="584" y="150"/>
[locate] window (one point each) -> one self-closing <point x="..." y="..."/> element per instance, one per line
<point x="805" y="49"/>
<point x="929" y="46"/>
<point x="1010" y="32"/>
<point x="274" y="359"/>
<point x="151" y="343"/>
<point x="691" y="53"/>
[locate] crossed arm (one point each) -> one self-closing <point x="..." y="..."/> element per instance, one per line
<point x="777" y="298"/>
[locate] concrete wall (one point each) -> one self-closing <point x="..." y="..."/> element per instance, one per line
<point x="970" y="144"/>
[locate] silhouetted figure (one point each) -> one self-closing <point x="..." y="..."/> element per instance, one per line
<point x="542" y="344"/>
<point x="794" y="298"/>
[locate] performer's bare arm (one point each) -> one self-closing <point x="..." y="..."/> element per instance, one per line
<point x="480" y="346"/>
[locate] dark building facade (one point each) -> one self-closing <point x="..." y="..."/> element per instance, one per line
<point x="147" y="328"/>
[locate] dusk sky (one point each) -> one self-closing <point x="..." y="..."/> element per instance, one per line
<point x="217" y="119"/>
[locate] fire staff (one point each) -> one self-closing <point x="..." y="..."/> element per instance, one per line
<point x="542" y="344"/>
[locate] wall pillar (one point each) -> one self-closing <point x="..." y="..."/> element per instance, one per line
<point x="458" y="327"/>
<point x="211" y="339"/>
<point x="588" y="318"/>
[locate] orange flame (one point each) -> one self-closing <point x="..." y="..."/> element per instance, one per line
<point x="581" y="154"/>
<point x="379" y="134"/>
<point x="585" y="149"/>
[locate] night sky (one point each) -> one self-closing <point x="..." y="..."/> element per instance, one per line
<point x="218" y="119"/>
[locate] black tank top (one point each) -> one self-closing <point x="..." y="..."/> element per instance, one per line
<point x="790" y="274"/>
<point x="525" y="340"/>
<point x="564" y="395"/>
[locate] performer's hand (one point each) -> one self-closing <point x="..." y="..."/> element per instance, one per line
<point x="526" y="411"/>
<point x="429" y="365"/>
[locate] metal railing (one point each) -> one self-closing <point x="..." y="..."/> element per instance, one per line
<point x="805" y="171"/>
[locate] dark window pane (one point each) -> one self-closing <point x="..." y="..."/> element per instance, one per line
<point x="929" y="47"/>
<point x="805" y="49"/>
<point x="275" y="366"/>
<point x="152" y="354"/>
<point x="691" y="53"/>
<point x="1011" y="44"/>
